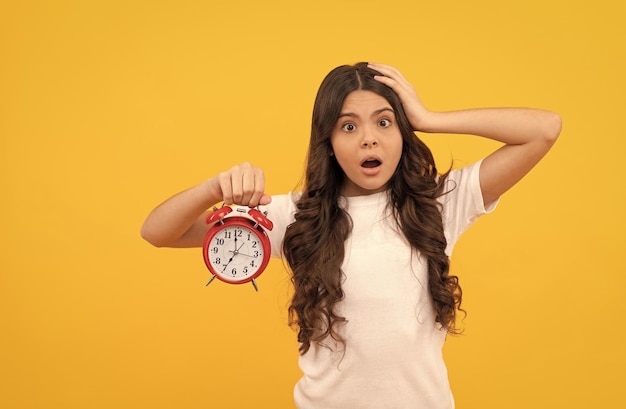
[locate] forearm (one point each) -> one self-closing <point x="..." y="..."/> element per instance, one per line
<point x="512" y="126"/>
<point x="527" y="134"/>
<point x="177" y="221"/>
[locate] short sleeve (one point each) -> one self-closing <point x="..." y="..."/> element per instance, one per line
<point x="281" y="212"/>
<point x="463" y="202"/>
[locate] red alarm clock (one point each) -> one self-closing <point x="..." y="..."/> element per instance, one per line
<point x="236" y="247"/>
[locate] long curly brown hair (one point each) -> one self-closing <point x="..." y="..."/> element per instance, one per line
<point x="314" y="242"/>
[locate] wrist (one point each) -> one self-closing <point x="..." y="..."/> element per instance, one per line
<point x="428" y="122"/>
<point x="211" y="191"/>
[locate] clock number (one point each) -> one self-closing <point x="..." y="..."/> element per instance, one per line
<point x="234" y="272"/>
<point x="219" y="242"/>
<point x="218" y="260"/>
<point x="227" y="235"/>
<point x="214" y="250"/>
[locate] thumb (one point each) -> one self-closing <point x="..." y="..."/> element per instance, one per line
<point x="265" y="199"/>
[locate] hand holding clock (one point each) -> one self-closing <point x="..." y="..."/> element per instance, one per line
<point x="242" y="184"/>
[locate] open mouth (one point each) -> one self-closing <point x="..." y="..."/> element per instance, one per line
<point x="371" y="163"/>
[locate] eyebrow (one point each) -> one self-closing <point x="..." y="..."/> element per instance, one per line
<point x="375" y="113"/>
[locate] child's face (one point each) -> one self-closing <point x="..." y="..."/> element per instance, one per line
<point x="367" y="143"/>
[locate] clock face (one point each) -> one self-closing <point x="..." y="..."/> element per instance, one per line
<point x="235" y="252"/>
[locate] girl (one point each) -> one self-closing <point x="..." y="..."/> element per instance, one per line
<point x="368" y="240"/>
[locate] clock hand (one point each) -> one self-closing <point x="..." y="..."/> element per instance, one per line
<point x="236" y="250"/>
<point x="234" y="253"/>
<point x="226" y="265"/>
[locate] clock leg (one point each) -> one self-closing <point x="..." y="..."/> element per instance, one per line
<point x="254" y="284"/>
<point x="209" y="282"/>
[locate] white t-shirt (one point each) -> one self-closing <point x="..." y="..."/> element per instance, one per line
<point x="393" y="353"/>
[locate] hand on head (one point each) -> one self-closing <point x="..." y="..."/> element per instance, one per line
<point x="416" y="112"/>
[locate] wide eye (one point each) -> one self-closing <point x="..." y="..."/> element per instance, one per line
<point x="348" y="127"/>
<point x="384" y="123"/>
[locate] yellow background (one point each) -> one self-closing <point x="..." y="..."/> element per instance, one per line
<point x="109" y="107"/>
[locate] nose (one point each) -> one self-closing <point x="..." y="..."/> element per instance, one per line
<point x="369" y="139"/>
